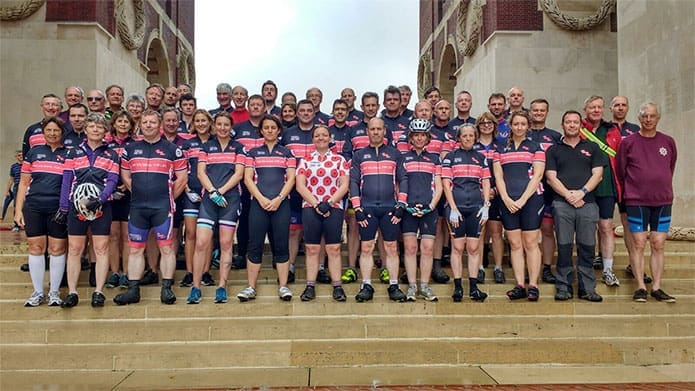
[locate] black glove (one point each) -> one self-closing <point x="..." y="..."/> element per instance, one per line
<point x="93" y="204"/>
<point x="60" y="217"/>
<point x="323" y="207"/>
<point x="398" y="211"/>
<point x="360" y="215"/>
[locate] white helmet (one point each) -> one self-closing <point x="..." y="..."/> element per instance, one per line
<point x="82" y="193"/>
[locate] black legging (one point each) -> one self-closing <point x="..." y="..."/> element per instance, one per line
<point x="278" y="223"/>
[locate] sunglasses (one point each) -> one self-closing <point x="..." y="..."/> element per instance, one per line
<point x="486" y="123"/>
<point x="94" y="99"/>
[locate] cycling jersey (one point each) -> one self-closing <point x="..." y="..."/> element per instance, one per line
<point x="191" y="150"/>
<point x="420" y="171"/>
<point x="298" y="141"/>
<point x="323" y="174"/>
<point x="84" y="165"/>
<point x="439" y="142"/>
<point x="152" y="167"/>
<point x="338" y="137"/>
<point x="354" y="117"/>
<point x="357" y="139"/>
<point x="517" y="165"/>
<point x="46" y="169"/>
<point x="375" y="174"/>
<point x="247" y="134"/>
<point x="33" y="136"/>
<point x="466" y="169"/>
<point x="545" y="137"/>
<point x="321" y="118"/>
<point x="270" y="168"/>
<point x="220" y="163"/>
<point x="396" y="125"/>
<point x="71" y="139"/>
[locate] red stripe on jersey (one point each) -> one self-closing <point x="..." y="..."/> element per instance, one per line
<point x="150" y="165"/>
<point x="516" y="157"/>
<point x="387" y="167"/>
<point x="37" y="139"/>
<point x="250" y="143"/>
<point x="222" y="158"/>
<point x="45" y="166"/>
<point x="466" y="170"/>
<point x="426" y="167"/>
<point x="271" y="162"/>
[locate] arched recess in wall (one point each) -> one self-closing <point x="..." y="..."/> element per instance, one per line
<point x="158" y="68"/>
<point x="447" y="70"/>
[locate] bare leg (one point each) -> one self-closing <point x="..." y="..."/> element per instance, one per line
<point x="517" y="255"/>
<point x="533" y="255"/>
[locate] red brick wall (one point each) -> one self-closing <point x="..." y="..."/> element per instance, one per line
<point x="426" y="20"/>
<point x="185" y="20"/>
<point x="99" y="11"/>
<point x="511" y="15"/>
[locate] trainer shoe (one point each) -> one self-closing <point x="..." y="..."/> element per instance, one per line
<point x="533" y="293"/>
<point x="481" y="276"/>
<point x="54" y="299"/>
<point x="640" y="296"/>
<point x="349" y="275"/>
<point x="220" y="295"/>
<point x="246" y="294"/>
<point x="195" y="296"/>
<point x="598" y="263"/>
<point x="15" y="228"/>
<point x="457" y="296"/>
<point x="308" y="294"/>
<point x="207" y="279"/>
<point x="478" y="295"/>
<point x="427" y="293"/>
<point x="123" y="282"/>
<point x="609" y="278"/>
<point x="34" y="300"/>
<point x="548" y="276"/>
<point x="562" y="295"/>
<point x="98" y="299"/>
<point x="663" y="296"/>
<point x="339" y="293"/>
<point x="132" y="295"/>
<point x="384" y="276"/>
<point x="167" y="295"/>
<point x="113" y="280"/>
<point x="396" y="294"/>
<point x="499" y="276"/>
<point x="365" y="294"/>
<point x="187" y="280"/>
<point x="411" y="293"/>
<point x="591" y="296"/>
<point x="285" y="293"/>
<point x="70" y="301"/>
<point x="516" y="293"/>
<point x="647" y="279"/>
<point x="149" y="278"/>
<point x="323" y="277"/>
<point x="439" y="276"/>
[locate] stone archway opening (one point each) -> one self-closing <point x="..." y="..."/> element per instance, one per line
<point x="158" y="63"/>
<point x="447" y="73"/>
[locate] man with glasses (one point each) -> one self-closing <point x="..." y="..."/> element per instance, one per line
<point x="96" y="100"/>
<point x="316" y="97"/>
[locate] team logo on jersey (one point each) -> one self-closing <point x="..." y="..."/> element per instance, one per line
<point x="525" y="148"/>
<point x="213" y="148"/>
<point x="294" y="138"/>
<point x="386" y="155"/>
<point x="179" y="153"/>
<point x="41" y="156"/>
<point x="547" y="138"/>
<point x="663" y="151"/>
<point x="60" y="158"/>
<point x="401" y="126"/>
<point x="367" y="156"/>
<point x="159" y="152"/>
<point x="137" y="152"/>
<point x="475" y="160"/>
<point x="585" y="152"/>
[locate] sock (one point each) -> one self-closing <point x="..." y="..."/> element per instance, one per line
<point x="546" y="267"/>
<point x="474" y="284"/>
<point x="412" y="286"/>
<point x="310" y="283"/>
<point x="393" y="282"/>
<point x="37" y="269"/>
<point x="337" y="284"/>
<point x="292" y="268"/>
<point x="366" y="282"/>
<point x="481" y="268"/>
<point x="607" y="264"/>
<point x="437" y="264"/>
<point x="57" y="270"/>
<point x="498" y="267"/>
<point x="423" y="286"/>
<point x="457" y="283"/>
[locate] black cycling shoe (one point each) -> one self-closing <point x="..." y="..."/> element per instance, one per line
<point x="339" y="294"/>
<point x="167" y="295"/>
<point x="308" y="294"/>
<point x="478" y="295"/>
<point x="187" y="280"/>
<point x="516" y="293"/>
<point x="25" y="267"/>
<point x="98" y="299"/>
<point x="396" y="294"/>
<point x="149" y="278"/>
<point x="365" y="294"/>
<point x="439" y="276"/>
<point x="458" y="295"/>
<point x="548" y="276"/>
<point x="70" y="300"/>
<point x="131" y="296"/>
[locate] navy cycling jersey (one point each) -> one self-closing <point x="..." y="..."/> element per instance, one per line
<point x="152" y="168"/>
<point x="338" y="137"/>
<point x="375" y="177"/>
<point x="488" y="151"/>
<point x="396" y="125"/>
<point x="321" y="118"/>
<point x="220" y="163"/>
<point x="503" y="130"/>
<point x="270" y="168"/>
<point x="439" y="142"/>
<point x="466" y="169"/>
<point x="407" y="113"/>
<point x="298" y="141"/>
<point x="456" y="123"/>
<point x="545" y="137"/>
<point x="517" y="165"/>
<point x="357" y="139"/>
<point x="627" y="128"/>
<point x="247" y="134"/>
<point x="84" y="165"/>
<point x="71" y="139"/>
<point x="191" y="151"/>
<point x="33" y="136"/>
<point x="446" y="129"/>
<point x="46" y="169"/>
<point x="420" y="172"/>
<point x="354" y="116"/>
<point x="228" y="109"/>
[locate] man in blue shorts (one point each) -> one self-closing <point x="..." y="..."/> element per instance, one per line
<point x="645" y="165"/>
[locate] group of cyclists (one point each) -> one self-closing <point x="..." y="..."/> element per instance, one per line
<point x="137" y="177"/>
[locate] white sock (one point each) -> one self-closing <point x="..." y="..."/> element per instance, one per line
<point x="37" y="269"/>
<point x="607" y="264"/>
<point x="57" y="271"/>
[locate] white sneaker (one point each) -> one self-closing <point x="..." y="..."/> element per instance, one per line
<point x="411" y="294"/>
<point x="609" y="278"/>
<point x="285" y="293"/>
<point x="246" y="294"/>
<point x="35" y="300"/>
<point x="54" y="299"/>
<point x="427" y="293"/>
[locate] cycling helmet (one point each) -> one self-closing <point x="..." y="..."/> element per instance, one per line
<point x="82" y="193"/>
<point x="419" y="125"/>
